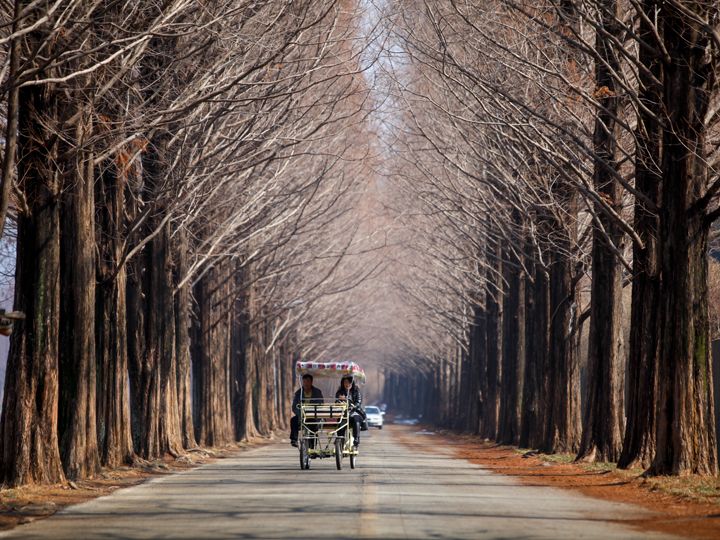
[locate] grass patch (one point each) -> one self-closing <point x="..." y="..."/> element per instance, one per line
<point x="692" y="488"/>
<point x="601" y="466"/>
<point x="557" y="458"/>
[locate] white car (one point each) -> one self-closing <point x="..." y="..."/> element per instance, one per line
<point x="374" y="417"/>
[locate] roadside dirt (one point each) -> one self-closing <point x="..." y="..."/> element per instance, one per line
<point x="690" y="507"/>
<point x="28" y="503"/>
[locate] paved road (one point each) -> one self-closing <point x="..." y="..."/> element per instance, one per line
<point x="392" y="494"/>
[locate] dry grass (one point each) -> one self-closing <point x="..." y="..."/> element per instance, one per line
<point x="691" y="488"/>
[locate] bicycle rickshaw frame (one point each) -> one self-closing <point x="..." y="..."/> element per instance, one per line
<point x="325" y="429"/>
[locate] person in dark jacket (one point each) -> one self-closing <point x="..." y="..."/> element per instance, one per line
<point x="307" y="393"/>
<point x="349" y="392"/>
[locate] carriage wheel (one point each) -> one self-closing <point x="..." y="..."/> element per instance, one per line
<point x="304" y="458"/>
<point x="338" y="453"/>
<point x="352" y="450"/>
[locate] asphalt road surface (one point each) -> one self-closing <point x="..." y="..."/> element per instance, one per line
<point x="262" y="493"/>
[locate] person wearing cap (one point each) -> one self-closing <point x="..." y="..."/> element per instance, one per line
<point x="307" y="394"/>
<point x="349" y="392"/>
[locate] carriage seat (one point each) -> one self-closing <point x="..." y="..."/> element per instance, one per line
<point x="328" y="414"/>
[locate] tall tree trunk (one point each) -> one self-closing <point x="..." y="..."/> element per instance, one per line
<point x="536" y="351"/>
<point x="459" y="358"/>
<point x="562" y="430"/>
<point x="493" y="343"/>
<point x="262" y="367"/>
<point x="462" y="416"/>
<point x="686" y="439"/>
<point x="288" y="377"/>
<point x="603" y="416"/>
<point x="243" y="375"/>
<point x="478" y="373"/>
<point x="562" y="427"/>
<point x="113" y="396"/>
<point x="161" y="427"/>
<point x="29" y="442"/>
<point x="639" y="442"/>
<point x="113" y="399"/>
<point x="438" y="382"/>
<point x="77" y="421"/>
<point x="266" y="363"/>
<point x="145" y="372"/>
<point x="513" y="336"/>
<point x="136" y="342"/>
<point x="211" y="354"/>
<point x="182" y="343"/>
<point x="151" y="326"/>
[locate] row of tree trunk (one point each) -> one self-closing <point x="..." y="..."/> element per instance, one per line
<point x="115" y="359"/>
<point x="523" y="343"/>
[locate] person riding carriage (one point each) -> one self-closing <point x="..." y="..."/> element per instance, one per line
<point x="322" y="429"/>
<point x="307" y="394"/>
<point x="349" y="392"/>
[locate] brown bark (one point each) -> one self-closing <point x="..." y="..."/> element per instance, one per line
<point x="113" y="397"/>
<point x="454" y="379"/>
<point x="477" y="388"/>
<point x="603" y="415"/>
<point x="113" y="403"/>
<point x="287" y="366"/>
<point x="262" y="421"/>
<point x="639" y="441"/>
<point x="243" y="375"/>
<point x="29" y="443"/>
<point x="182" y="343"/>
<point x="462" y="414"/>
<point x="135" y="341"/>
<point x="493" y="344"/>
<point x="211" y="359"/>
<point x="159" y="412"/>
<point x="275" y="385"/>
<point x="144" y="359"/>
<point x="77" y="421"/>
<point x="261" y="366"/>
<point x="562" y="430"/>
<point x="562" y="422"/>
<point x="264" y="404"/>
<point x="151" y="329"/>
<point x="686" y="438"/>
<point x="513" y="348"/>
<point x="436" y="414"/>
<point x="537" y="332"/>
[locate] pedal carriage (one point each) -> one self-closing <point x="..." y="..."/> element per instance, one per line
<point x="325" y="429"/>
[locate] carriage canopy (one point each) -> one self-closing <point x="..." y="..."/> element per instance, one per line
<point x="331" y="370"/>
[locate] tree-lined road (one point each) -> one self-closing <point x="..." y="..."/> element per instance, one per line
<point x="262" y="493"/>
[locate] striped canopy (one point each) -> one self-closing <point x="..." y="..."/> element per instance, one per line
<point x="331" y="369"/>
